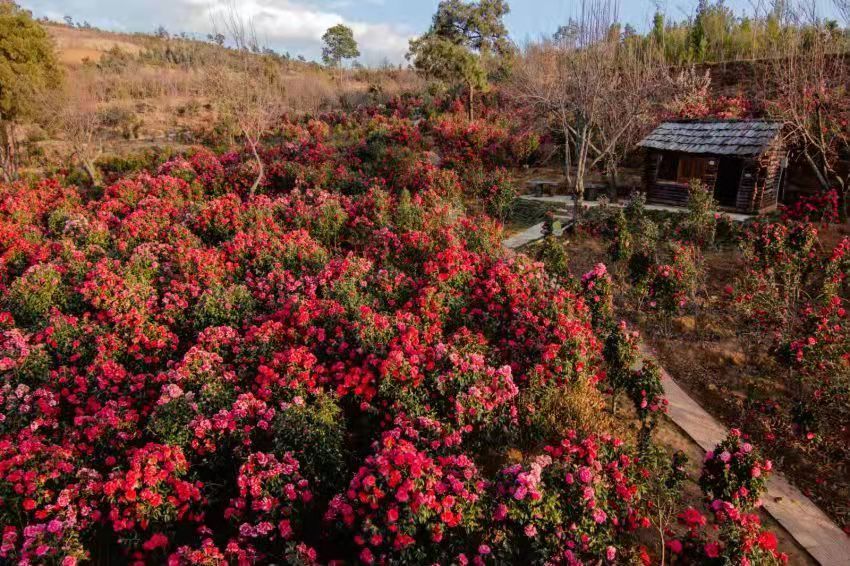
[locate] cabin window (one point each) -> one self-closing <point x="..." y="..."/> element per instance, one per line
<point x="681" y="168"/>
<point x="668" y="168"/>
<point x="691" y="168"/>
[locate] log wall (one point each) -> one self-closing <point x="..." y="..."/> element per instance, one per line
<point x="758" y="190"/>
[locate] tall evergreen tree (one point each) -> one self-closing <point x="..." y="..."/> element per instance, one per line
<point x="28" y="68"/>
<point x="463" y="37"/>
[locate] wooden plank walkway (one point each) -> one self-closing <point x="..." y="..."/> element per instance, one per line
<point x="804" y="521"/>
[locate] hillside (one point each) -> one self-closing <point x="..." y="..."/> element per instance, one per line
<point x="150" y="91"/>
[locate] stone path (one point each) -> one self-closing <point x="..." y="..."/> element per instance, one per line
<point x="567" y="201"/>
<point x="803" y="520"/>
<point x="531" y="235"/>
<point x="525" y="237"/>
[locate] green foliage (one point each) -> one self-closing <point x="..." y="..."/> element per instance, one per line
<point x="31" y="296"/>
<point x="329" y="223"/>
<point x="621" y="238"/>
<point x="621" y="356"/>
<point x="339" y="44"/>
<point x="407" y="214"/>
<point x="441" y="59"/>
<point x="701" y="223"/>
<point x="28" y="65"/>
<point x="314" y="431"/>
<point x="224" y="306"/>
<point x="553" y="254"/>
<point x="463" y="40"/>
<point x="499" y="194"/>
<point x="169" y="422"/>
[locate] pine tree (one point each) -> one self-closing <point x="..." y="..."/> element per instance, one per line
<point x="28" y="68"/>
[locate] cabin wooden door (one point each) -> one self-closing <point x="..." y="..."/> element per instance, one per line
<point x="729" y="174"/>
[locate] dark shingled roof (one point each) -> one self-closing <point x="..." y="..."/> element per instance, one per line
<point x="743" y="138"/>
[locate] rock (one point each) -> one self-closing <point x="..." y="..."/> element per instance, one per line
<point x="685" y="324"/>
<point x="734" y="357"/>
<point x="433" y="158"/>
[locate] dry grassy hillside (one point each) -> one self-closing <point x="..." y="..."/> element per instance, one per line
<point x="140" y="92"/>
<point x="77" y="46"/>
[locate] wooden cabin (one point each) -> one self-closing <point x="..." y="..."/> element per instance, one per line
<point x="743" y="162"/>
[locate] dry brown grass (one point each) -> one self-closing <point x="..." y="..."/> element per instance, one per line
<point x="77" y="45"/>
<point x="147" y="95"/>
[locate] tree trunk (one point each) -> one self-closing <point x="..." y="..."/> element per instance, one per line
<point x="471" y="103"/>
<point x="262" y="172"/>
<point x="8" y="152"/>
<point x="581" y="166"/>
<point x="816" y="170"/>
<point x="612" y="181"/>
<point x="568" y="157"/>
<point x="92" y="172"/>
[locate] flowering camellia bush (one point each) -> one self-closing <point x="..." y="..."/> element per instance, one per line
<point x="598" y="291"/>
<point x="734" y="537"/>
<point x="669" y="288"/>
<point x="734" y="472"/>
<point x="820" y="208"/>
<point x="576" y="501"/>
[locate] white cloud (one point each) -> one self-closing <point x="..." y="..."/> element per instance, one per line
<point x="285" y="25"/>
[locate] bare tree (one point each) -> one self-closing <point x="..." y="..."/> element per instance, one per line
<point x="230" y="22"/>
<point x="810" y="80"/>
<point x="248" y="93"/>
<point x="597" y="91"/>
<point x="541" y="82"/>
<point x="843" y="9"/>
<point x="250" y="100"/>
<point x="80" y="124"/>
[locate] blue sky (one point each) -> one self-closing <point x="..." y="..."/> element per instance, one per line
<point x="382" y="27"/>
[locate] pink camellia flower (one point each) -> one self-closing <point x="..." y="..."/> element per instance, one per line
<point x="69" y="561"/>
<point x="746" y="448"/>
<point x="54" y="526"/>
<point x="725" y="457"/>
<point x="712" y="550"/>
<point x="610" y="553"/>
<point x="285" y="528"/>
<point x="484" y="549"/>
<point x="366" y="556"/>
<point x="585" y="475"/>
<point x="501" y="512"/>
<point x="530" y="531"/>
<point x="599" y="516"/>
<point x="520" y="493"/>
